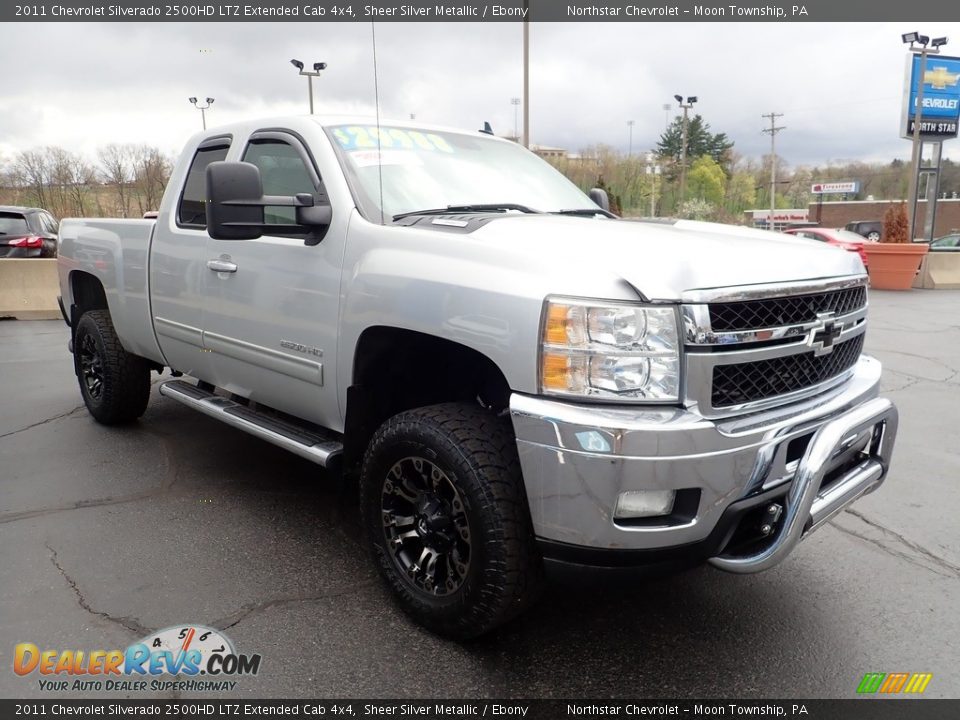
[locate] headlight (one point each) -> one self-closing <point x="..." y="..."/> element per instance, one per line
<point x="631" y="352"/>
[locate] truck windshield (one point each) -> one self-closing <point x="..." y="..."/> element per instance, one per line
<point x="429" y="169"/>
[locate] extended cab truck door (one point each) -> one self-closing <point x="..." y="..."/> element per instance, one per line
<point x="271" y="316"/>
<point x="178" y="258"/>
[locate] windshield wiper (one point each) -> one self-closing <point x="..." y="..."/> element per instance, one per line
<point x="585" y="212"/>
<point x="481" y="207"/>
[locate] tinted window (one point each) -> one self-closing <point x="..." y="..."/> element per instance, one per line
<point x="13" y="224"/>
<point x="45" y="223"/>
<point x="193" y="202"/>
<point x="283" y="172"/>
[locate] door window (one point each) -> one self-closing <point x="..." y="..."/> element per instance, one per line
<point x="283" y="172"/>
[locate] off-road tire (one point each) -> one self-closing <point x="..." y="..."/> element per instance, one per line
<point x="477" y="452"/>
<point x="124" y="388"/>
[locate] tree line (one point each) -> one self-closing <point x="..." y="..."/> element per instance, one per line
<point x="721" y="183"/>
<point x="122" y="180"/>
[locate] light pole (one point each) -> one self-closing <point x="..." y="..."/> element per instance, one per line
<point x="516" y="122"/>
<point x="202" y="109"/>
<point x="317" y="68"/>
<point x="653" y="171"/>
<point x="918" y="46"/>
<point x="630" y="146"/>
<point x="683" y="150"/>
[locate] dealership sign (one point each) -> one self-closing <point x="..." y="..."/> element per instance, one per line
<point x="940" y="113"/>
<point x="835" y="187"/>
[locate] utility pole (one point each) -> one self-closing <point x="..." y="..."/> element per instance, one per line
<point x="630" y="146"/>
<point x="526" y="75"/>
<point x="683" y="150"/>
<point x="773" y="130"/>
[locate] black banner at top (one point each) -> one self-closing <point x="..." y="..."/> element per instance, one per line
<point x="480" y="11"/>
<point x="475" y="709"/>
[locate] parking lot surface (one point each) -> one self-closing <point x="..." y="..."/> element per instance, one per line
<point x="107" y="534"/>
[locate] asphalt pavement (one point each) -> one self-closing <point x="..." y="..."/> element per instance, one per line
<point x="108" y="534"/>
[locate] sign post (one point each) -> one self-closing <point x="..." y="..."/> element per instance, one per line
<point x="931" y="114"/>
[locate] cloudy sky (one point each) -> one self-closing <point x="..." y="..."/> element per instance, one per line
<point x="838" y="85"/>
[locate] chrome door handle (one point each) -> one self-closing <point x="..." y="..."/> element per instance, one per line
<point x="218" y="265"/>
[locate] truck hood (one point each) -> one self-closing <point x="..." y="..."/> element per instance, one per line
<point x="662" y="260"/>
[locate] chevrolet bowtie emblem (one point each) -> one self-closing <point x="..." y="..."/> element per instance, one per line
<point x="939" y="77"/>
<point x="824" y="333"/>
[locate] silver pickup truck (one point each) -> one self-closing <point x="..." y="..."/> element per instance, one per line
<point x="519" y="380"/>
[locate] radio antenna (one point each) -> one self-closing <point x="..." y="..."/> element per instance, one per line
<point x="376" y="99"/>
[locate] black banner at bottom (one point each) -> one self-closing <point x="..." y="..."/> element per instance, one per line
<point x="863" y="708"/>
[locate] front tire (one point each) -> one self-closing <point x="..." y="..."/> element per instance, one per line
<point x="115" y="384"/>
<point x="446" y="515"/>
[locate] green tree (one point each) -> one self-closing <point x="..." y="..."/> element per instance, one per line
<point x="700" y="141"/>
<point x="706" y="180"/>
<point x="741" y="192"/>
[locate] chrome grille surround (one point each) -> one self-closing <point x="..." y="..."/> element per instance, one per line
<point x="706" y="349"/>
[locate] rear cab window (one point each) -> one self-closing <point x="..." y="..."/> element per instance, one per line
<point x="192" y="209"/>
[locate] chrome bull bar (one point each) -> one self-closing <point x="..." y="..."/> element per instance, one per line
<point x="806" y="506"/>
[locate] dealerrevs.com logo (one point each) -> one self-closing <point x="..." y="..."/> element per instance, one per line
<point x="184" y="651"/>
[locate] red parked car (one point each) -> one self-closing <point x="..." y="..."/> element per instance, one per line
<point x="838" y="238"/>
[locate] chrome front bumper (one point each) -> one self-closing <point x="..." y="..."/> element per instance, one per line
<point x="577" y="459"/>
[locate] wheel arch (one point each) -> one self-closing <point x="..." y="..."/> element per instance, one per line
<point x="396" y="369"/>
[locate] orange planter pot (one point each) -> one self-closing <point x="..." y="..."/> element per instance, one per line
<point x="893" y="266"/>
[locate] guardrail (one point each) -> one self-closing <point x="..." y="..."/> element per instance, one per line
<point x="29" y="288"/>
<point x="939" y="271"/>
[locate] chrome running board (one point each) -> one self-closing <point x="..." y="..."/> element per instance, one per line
<point x="308" y="443"/>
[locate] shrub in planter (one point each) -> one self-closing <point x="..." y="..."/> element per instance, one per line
<point x="894" y="261"/>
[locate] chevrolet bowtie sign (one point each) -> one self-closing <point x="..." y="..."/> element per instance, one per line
<point x="940" y="107"/>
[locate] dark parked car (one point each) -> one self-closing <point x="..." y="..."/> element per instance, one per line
<point x="870" y="229"/>
<point x="27" y="232"/>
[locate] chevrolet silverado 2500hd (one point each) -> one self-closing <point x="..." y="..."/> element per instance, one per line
<point x="517" y="378"/>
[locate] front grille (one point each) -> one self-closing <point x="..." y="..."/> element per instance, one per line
<point x="752" y="381"/>
<point x="773" y="312"/>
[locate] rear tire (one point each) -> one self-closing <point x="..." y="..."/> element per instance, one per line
<point x="115" y="384"/>
<point x="446" y="515"/>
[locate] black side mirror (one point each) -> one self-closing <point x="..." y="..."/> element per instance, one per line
<point x="234" y="194"/>
<point x="235" y="203"/>
<point x="599" y="196"/>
